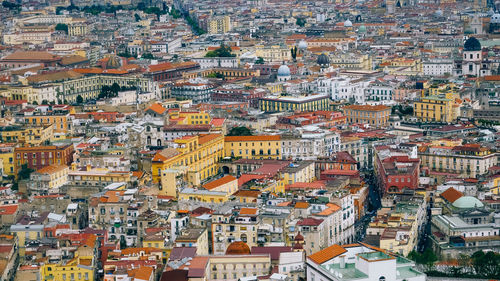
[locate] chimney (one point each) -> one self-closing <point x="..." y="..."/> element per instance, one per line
<point x="342" y="261"/>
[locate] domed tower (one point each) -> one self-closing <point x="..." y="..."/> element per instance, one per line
<point x="323" y="61"/>
<point x="284" y="73"/>
<point x="302" y="45"/>
<point x="298" y="243"/>
<point x="113" y="62"/>
<point x="238" y="248"/>
<point x="472" y="57"/>
<point x="348" y="24"/>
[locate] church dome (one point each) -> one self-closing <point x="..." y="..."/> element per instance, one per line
<point x="302" y="45"/>
<point x="472" y="44"/>
<point x="347" y="23"/>
<point x="362" y="29"/>
<point x="284" y="70"/>
<point x="238" y="248"/>
<point x="467" y="202"/>
<point x="323" y="60"/>
<point x="113" y="62"/>
<point x="299" y="237"/>
<point x="298" y="246"/>
<point x="495" y="18"/>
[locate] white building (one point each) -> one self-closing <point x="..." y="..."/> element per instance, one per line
<point x="438" y="67"/>
<point x="339" y="88"/>
<point x="359" y="262"/>
<point x="205" y="63"/>
<point x="308" y="145"/>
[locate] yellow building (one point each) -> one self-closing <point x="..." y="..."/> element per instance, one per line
<point x="60" y="121"/>
<point x="253" y="147"/>
<point x="81" y="267"/>
<point x="77" y="27"/>
<point x="219" y="25"/>
<point x="25" y="234"/>
<point x="31" y="136"/>
<point x="48" y="179"/>
<point x="435" y="109"/>
<point x="190" y="117"/>
<point x="194" y="237"/>
<point x="299" y="172"/>
<point x="98" y="176"/>
<point x="227" y="184"/>
<point x="352" y="61"/>
<point x="291" y="103"/>
<point x="7" y="158"/>
<point x="495" y="185"/>
<point x="274" y="53"/>
<point x="200" y="154"/>
<point x="200" y="195"/>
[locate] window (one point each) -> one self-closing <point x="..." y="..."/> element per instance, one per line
<point x="382" y="278"/>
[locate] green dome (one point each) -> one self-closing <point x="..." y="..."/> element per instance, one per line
<point x="467" y="202"/>
<point x="362" y="29"/>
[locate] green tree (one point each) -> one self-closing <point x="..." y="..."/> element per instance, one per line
<point x="123" y="242"/>
<point x="148" y="56"/>
<point x="79" y="99"/>
<point x="429" y="258"/>
<point x="222" y="52"/>
<point x="25" y="172"/>
<point x="259" y="60"/>
<point x="115" y="88"/>
<point x="45" y="102"/>
<point x="62" y="27"/>
<point x="300" y="22"/>
<point x="137" y="17"/>
<point x="240" y="131"/>
<point x="486" y="264"/>
<point x="293" y="50"/>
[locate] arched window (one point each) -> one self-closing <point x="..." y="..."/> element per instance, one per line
<point x="158" y="142"/>
<point x="382" y="278"/>
<point x="148" y="140"/>
<point x="148" y="129"/>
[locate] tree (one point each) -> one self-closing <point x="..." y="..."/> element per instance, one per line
<point x="259" y="60"/>
<point x="486" y="264"/>
<point x="79" y="99"/>
<point x="123" y="242"/>
<point x="115" y="88"/>
<point x="293" y="50"/>
<point x="429" y="258"/>
<point x="222" y="52"/>
<point x="35" y="103"/>
<point x="137" y="17"/>
<point x="62" y="27"/>
<point x="240" y="131"/>
<point x="45" y="102"/>
<point x="148" y="56"/>
<point x="25" y="172"/>
<point x="300" y="22"/>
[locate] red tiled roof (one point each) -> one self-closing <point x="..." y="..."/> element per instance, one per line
<point x="216" y="183"/>
<point x="327" y="254"/>
<point x="451" y="194"/>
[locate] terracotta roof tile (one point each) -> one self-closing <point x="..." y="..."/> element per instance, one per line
<point x="451" y="194"/>
<point x="216" y="183"/>
<point x="327" y="254"/>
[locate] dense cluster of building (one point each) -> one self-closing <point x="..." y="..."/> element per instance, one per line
<point x="246" y="140"/>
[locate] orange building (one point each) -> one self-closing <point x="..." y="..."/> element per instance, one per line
<point x="42" y="156"/>
<point x="374" y="115"/>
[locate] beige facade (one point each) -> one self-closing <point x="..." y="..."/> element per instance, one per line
<point x="234" y="267"/>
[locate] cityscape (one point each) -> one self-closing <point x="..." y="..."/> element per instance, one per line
<point x="249" y="140"/>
